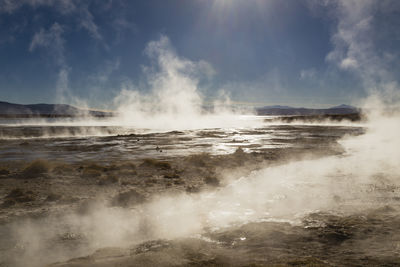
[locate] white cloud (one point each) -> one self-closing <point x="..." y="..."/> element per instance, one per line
<point x="51" y="39"/>
<point x="349" y="63"/>
<point x="86" y="21"/>
<point x="64" y="6"/>
<point x="46" y="38"/>
<point x="173" y="98"/>
<point x="357" y="41"/>
<point x="123" y="23"/>
<point x="62" y="85"/>
<point x="163" y="53"/>
<point x="307" y="74"/>
<point x="104" y="72"/>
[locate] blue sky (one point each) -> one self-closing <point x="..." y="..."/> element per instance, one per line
<point x="300" y="53"/>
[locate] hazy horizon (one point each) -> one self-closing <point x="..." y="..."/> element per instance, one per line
<point x="205" y="104"/>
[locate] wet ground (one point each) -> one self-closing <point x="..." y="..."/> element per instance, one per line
<point x="76" y="143"/>
<point x="367" y="239"/>
<point x="119" y="196"/>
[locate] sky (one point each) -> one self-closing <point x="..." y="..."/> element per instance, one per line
<point x="313" y="53"/>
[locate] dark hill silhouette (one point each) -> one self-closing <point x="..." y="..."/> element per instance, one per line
<point x="285" y="110"/>
<point x="46" y="110"/>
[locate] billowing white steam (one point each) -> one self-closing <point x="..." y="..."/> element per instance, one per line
<point x="170" y="99"/>
<point x="174" y="100"/>
<point x="357" y="180"/>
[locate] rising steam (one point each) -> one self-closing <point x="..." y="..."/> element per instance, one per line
<point x="345" y="184"/>
<point x="341" y="184"/>
<point x="174" y="99"/>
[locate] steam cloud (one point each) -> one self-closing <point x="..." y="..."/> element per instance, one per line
<point x="355" y="48"/>
<point x="344" y="184"/>
<point x="174" y="100"/>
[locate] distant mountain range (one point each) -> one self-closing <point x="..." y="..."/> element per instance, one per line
<point x="286" y="110"/>
<point x="46" y="110"/>
<point x="63" y="110"/>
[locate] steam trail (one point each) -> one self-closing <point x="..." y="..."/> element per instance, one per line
<point x="347" y="183"/>
<point x="174" y="100"/>
<point x="359" y="32"/>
